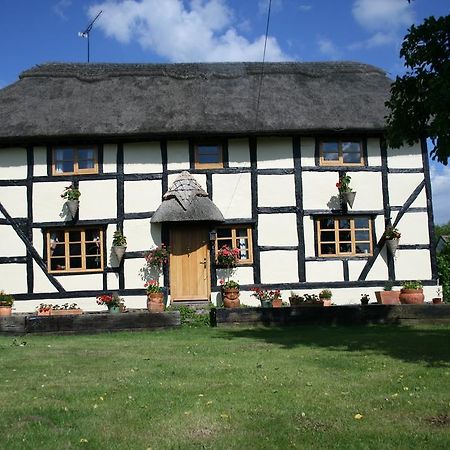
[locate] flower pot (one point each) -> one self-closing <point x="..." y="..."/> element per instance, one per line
<point x="73" y="205"/>
<point x="114" y="309"/>
<point x="155" y="302"/>
<point x="436" y="300"/>
<point x="65" y="312"/>
<point x="326" y="302"/>
<point x="44" y="313"/>
<point x="348" y="197"/>
<point x="388" y="297"/>
<point x="5" y="310"/>
<point x="266" y="303"/>
<point x="411" y="296"/>
<point x="277" y="303"/>
<point x="295" y="301"/>
<point x="119" y="252"/>
<point x="364" y="301"/>
<point x="230" y="298"/>
<point x="392" y="245"/>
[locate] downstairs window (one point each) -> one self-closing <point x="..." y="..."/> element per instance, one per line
<point x="239" y="237"/>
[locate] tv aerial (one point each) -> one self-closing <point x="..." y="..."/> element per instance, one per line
<point x="86" y="32"/>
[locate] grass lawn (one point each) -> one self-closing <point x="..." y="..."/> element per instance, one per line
<point x="306" y="387"/>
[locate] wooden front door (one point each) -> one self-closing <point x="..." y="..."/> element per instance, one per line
<point x="189" y="263"/>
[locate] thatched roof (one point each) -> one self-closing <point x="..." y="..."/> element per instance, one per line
<point x="61" y="100"/>
<point x="186" y="201"/>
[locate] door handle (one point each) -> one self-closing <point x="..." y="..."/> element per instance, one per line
<point x="204" y="263"/>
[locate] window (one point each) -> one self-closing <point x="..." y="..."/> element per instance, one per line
<point x="341" y="153"/>
<point x="208" y="156"/>
<point x="344" y="236"/>
<point x="236" y="237"/>
<point x="74" y="160"/>
<point x="75" y="250"/>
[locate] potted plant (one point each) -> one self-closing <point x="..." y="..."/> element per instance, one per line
<point x="325" y="296"/>
<point x="155" y="296"/>
<point x="268" y="298"/>
<point x="157" y="257"/>
<point x="437" y="300"/>
<point x="71" y="194"/>
<point x="119" y="245"/>
<point x="306" y="300"/>
<point x="113" y="302"/>
<point x="65" y="310"/>
<point x="44" y="310"/>
<point x="345" y="191"/>
<point x="227" y="257"/>
<point x="411" y="293"/>
<point x="230" y="293"/>
<point x="388" y="296"/>
<point x="295" y="299"/>
<point x="365" y="298"/>
<point x="6" y="302"/>
<point x="392" y="236"/>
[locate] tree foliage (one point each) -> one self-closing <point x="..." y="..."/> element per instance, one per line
<point x="442" y="230"/>
<point x="420" y="100"/>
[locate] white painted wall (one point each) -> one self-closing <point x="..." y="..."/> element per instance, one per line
<point x="47" y="201"/>
<point x="308" y="147"/>
<point x="232" y="194"/>
<point x="279" y="266"/>
<point x="40" y="162"/>
<point x="13" y="278"/>
<point x="401" y="186"/>
<point x="413" y="227"/>
<point x="140" y="235"/>
<point x="13" y="163"/>
<point x="274" y="153"/>
<point x="238" y="153"/>
<point x="412" y="265"/>
<point x="369" y="194"/>
<point x="14" y="199"/>
<point x="178" y="155"/>
<point x="373" y="152"/>
<point x="325" y="270"/>
<point x="11" y="245"/>
<point x="277" y="229"/>
<point x="142" y="195"/>
<point x="319" y="190"/>
<point x="110" y="158"/>
<point x="405" y="157"/>
<point x="276" y="190"/>
<point x="89" y="281"/>
<point x="98" y="199"/>
<point x="240" y="274"/>
<point x="42" y="283"/>
<point x="309" y="233"/>
<point x="142" y="157"/>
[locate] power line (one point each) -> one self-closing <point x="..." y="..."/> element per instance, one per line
<point x="262" y="65"/>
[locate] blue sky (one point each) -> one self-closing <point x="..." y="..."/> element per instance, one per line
<point x="371" y="31"/>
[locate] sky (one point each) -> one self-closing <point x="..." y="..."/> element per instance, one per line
<point x="369" y="31"/>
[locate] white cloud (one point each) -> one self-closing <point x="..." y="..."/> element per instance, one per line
<point x="382" y="14"/>
<point x="329" y="48"/>
<point x="199" y="31"/>
<point x="440" y="186"/>
<point x="60" y="8"/>
<point x="305" y="7"/>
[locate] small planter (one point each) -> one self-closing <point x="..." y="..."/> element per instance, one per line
<point x="114" y="310"/>
<point x="119" y="252"/>
<point x="364" y="301"/>
<point x="44" y="313"/>
<point x="349" y="198"/>
<point x="277" y="303"/>
<point x="65" y="312"/>
<point x="266" y="304"/>
<point x="230" y="298"/>
<point x="388" y="297"/>
<point x="437" y="300"/>
<point x="392" y="245"/>
<point x="155" y="302"/>
<point x="73" y="206"/>
<point x="5" y="311"/>
<point x="411" y="296"/>
<point x="326" y="301"/>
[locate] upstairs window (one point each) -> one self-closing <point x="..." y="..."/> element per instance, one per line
<point x="75" y="160"/>
<point x="74" y="250"/>
<point x="239" y="237"/>
<point x="341" y="153"/>
<point x="208" y="156"/>
<point x="344" y="236"/>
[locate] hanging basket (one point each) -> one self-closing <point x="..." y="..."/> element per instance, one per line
<point x="73" y="205"/>
<point x="119" y="251"/>
<point x="348" y="197"/>
<point x="392" y="245"/>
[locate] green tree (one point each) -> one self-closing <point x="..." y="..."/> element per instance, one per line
<point x="420" y="100"/>
<point x="442" y="230"/>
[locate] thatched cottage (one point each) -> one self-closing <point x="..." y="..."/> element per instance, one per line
<point x="198" y="155"/>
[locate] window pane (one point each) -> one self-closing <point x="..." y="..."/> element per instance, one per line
<point x="64" y="154"/>
<point x="351" y="158"/>
<point x="327" y="249"/>
<point x="344" y="224"/>
<point x="58" y="263"/>
<point x="58" y="249"/>
<point x="327" y="236"/>
<point x="362" y="248"/>
<point x="92" y="235"/>
<point x="75" y="249"/>
<point x="85" y="153"/>
<point x="345" y="236"/>
<point x="331" y="156"/>
<point x="345" y="248"/>
<point x="92" y="263"/>
<point x="361" y="222"/>
<point x="223" y="232"/>
<point x="330" y="147"/>
<point x="57" y="236"/>
<point x="241" y="232"/>
<point x="208" y="154"/>
<point x="92" y="248"/>
<point x="75" y="263"/>
<point x="351" y="147"/>
<point x="64" y="166"/>
<point x="327" y="224"/>
<point x="222" y="242"/>
<point x="74" y="236"/>
<point x="85" y="164"/>
<point x="362" y="235"/>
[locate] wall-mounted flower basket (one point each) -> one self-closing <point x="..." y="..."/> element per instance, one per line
<point x="348" y="197"/>
<point x="118" y="251"/>
<point x="71" y="194"/>
<point x="73" y="206"/>
<point x="392" y="245"/>
<point x="119" y="245"/>
<point x="392" y="236"/>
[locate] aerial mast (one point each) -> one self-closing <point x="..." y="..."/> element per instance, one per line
<point x="86" y="33"/>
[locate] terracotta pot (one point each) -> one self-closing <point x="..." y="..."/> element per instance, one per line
<point x="230" y="298"/>
<point x="65" y="312"/>
<point x="277" y="303"/>
<point x="437" y="300"/>
<point x="388" y="297"/>
<point x="73" y="205"/>
<point x="44" y="313"/>
<point x="411" y="296"/>
<point x="326" y="301"/>
<point x="5" y="310"/>
<point x="155" y="302"/>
